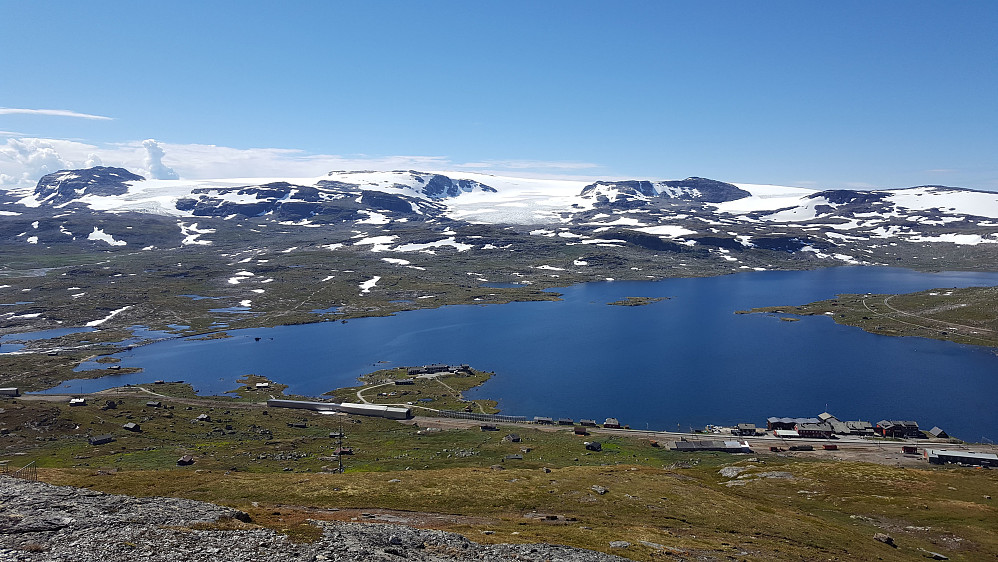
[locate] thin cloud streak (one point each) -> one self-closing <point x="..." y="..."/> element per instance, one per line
<point x="52" y="112"/>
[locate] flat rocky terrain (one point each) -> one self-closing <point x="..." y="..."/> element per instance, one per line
<point x="40" y="521"/>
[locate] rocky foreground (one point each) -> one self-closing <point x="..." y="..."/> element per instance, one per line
<point x="39" y="521"/>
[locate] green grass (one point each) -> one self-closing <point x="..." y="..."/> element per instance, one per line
<point x="967" y="315"/>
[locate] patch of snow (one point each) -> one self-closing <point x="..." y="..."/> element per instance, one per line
<point x="438" y="244"/>
<point x="32" y="240"/>
<point x="672" y="231"/>
<point x="99" y="235"/>
<point x="396" y="261"/>
<point x="550" y="268"/>
<point x="374" y="218"/>
<point x="113" y="313"/>
<point x="366" y="286"/>
<point x="959" y="239"/>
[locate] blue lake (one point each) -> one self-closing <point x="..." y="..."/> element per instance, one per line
<point x="685" y="361"/>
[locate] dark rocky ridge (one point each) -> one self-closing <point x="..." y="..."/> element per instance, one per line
<point x="41" y="522"/>
<point x="65" y="186"/>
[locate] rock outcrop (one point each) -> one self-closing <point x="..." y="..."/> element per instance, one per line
<point x="41" y="522"/>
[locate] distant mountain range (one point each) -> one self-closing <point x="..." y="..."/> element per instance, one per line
<point x="693" y="212"/>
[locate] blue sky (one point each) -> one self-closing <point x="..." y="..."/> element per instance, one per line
<point x="816" y="94"/>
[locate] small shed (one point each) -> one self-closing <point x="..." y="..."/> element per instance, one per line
<point x="594" y="446"/>
<point x="101" y="439"/>
<point x="343" y="451"/>
<point x="611" y="423"/>
<point x="581" y="430"/>
<point x="132" y="426"/>
<point x="77" y="401"/>
<point x="154" y="404"/>
<point x="938" y="433"/>
<point x="487" y="427"/>
<point x="298" y="425"/>
<point x="514" y="457"/>
<point x="262" y="385"/>
<point x="185" y="460"/>
<point x="512" y="438"/>
<point x="909" y="449"/>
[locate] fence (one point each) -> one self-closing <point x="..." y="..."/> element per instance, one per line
<point x="26" y="472"/>
<point x="483" y="417"/>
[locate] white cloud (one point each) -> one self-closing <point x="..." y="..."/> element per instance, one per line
<point x="154" y="161"/>
<point x="53" y="112"/>
<point x="24" y="160"/>
<point x="528" y="164"/>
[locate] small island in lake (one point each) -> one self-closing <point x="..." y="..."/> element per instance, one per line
<point x="636" y="301"/>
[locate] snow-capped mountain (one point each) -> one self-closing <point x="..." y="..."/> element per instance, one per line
<point x="694" y="212"/>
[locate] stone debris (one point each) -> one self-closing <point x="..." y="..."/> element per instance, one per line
<point x="41" y="522"/>
<point x="885" y="538"/>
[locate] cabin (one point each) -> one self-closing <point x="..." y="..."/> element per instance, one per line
<point x="343" y="451"/>
<point x="942" y="456"/>
<point x="594" y="446"/>
<point x="77" y="401"/>
<point x="744" y="429"/>
<point x="101" y="439"/>
<point x="486" y="427"/>
<point x="298" y="425"/>
<point x="859" y="427"/>
<point x="437" y="368"/>
<point x="611" y="423"/>
<point x="262" y="385"/>
<point x="566" y="421"/>
<point x="788" y="423"/>
<point x="336" y="435"/>
<point x="581" y="430"/>
<point x="132" y="426"/>
<point x="588" y="423"/>
<point x="405" y="382"/>
<point x="512" y="438"/>
<point x="513" y="457"/>
<point x="814" y="430"/>
<point x="543" y="420"/>
<point x="11" y="391"/>
<point x="374" y="410"/>
<point x="185" y="460"/>
<point x="938" y="433"/>
<point x="901" y="429"/>
<point x="727" y="446"/>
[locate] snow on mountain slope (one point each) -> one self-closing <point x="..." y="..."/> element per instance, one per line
<point x="947" y="200"/>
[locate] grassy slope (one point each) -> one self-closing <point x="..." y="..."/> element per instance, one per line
<point x="826" y="510"/>
<point x="968" y="315"/>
